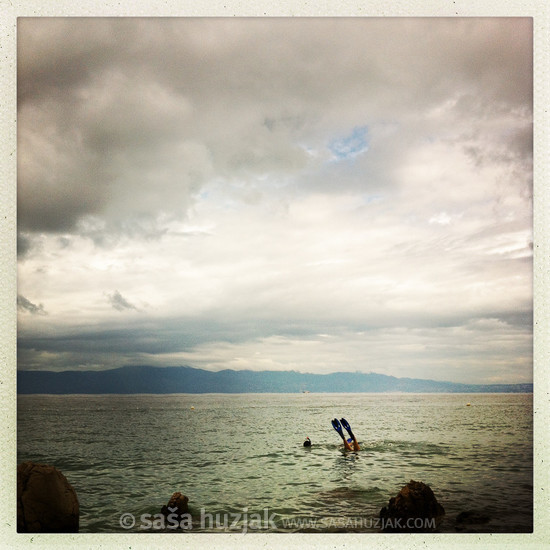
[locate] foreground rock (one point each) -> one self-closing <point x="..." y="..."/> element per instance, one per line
<point x="176" y="505"/>
<point x="46" y="501"/>
<point x="414" y="510"/>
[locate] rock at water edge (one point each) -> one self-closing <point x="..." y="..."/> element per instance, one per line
<point x="413" y="509"/>
<point x="46" y="501"/>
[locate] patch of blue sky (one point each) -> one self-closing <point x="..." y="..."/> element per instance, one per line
<point x="351" y="145"/>
<point x="368" y="199"/>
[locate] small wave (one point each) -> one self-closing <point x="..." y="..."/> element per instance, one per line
<point x="345" y="493"/>
<point x="268" y="455"/>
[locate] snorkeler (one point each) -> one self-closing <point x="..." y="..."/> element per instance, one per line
<point x="338" y="427"/>
<point x="307" y="442"/>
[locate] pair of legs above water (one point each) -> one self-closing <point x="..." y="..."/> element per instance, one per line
<point x="337" y="425"/>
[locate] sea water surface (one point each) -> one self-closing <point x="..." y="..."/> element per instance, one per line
<point x="242" y="455"/>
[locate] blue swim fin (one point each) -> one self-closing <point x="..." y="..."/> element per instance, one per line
<point x="347" y="426"/>
<point x="337" y="427"/>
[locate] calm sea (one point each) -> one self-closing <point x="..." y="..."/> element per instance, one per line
<point x="240" y="459"/>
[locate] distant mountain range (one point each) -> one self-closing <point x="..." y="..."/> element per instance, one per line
<point x="144" y="379"/>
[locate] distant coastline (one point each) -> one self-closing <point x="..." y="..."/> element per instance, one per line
<point x="165" y="380"/>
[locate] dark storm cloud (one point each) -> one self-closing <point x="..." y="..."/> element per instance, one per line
<point x="169" y="335"/>
<point x="161" y="337"/>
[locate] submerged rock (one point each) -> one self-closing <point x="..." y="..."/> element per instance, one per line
<point x="468" y="520"/>
<point x="46" y="501"/>
<point x="413" y="510"/>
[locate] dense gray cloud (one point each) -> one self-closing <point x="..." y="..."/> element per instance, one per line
<point x="119" y="302"/>
<point x="366" y="180"/>
<point x="23" y="304"/>
<point x="126" y="120"/>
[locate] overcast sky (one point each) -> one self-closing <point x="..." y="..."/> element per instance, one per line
<point x="279" y="194"/>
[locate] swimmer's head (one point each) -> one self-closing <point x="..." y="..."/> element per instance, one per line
<point x="307" y="442"/>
